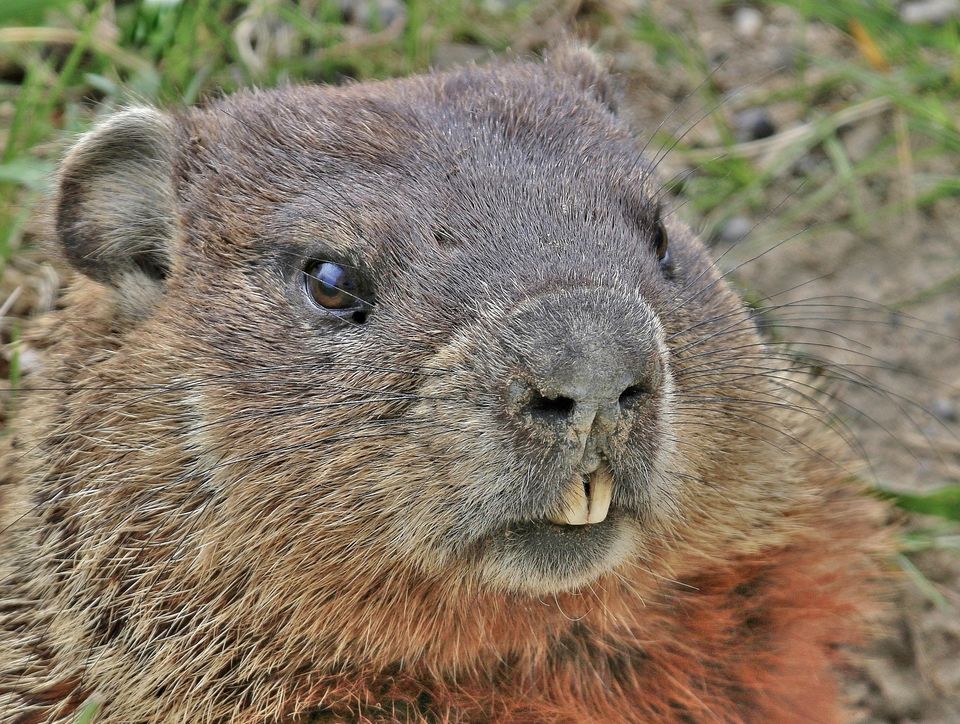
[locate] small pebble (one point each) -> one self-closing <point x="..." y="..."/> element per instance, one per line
<point x="752" y="124"/>
<point x="499" y="7"/>
<point x="808" y="165"/>
<point x="747" y="22"/>
<point x="361" y="12"/>
<point x="737" y="228"/>
<point x="944" y="409"/>
<point x="929" y="11"/>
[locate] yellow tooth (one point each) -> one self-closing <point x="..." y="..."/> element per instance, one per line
<point x="579" y="509"/>
<point x="601" y="491"/>
<point x="575" y="506"/>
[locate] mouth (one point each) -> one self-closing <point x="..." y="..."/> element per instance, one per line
<point x="539" y="557"/>
<point x="577" y="541"/>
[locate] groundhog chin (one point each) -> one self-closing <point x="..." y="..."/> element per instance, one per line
<point x="539" y="557"/>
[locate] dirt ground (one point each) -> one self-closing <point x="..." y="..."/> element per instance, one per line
<point x="902" y="403"/>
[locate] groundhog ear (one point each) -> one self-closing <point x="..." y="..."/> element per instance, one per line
<point x="115" y="209"/>
<point x="584" y="66"/>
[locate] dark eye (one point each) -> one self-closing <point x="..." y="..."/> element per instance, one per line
<point x="331" y="286"/>
<point x="661" y="243"/>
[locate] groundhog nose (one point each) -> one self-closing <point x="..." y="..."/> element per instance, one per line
<point x="586" y="388"/>
<point x="585" y="394"/>
<point x="581" y="365"/>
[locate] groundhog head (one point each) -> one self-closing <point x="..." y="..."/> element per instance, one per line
<point x="348" y="344"/>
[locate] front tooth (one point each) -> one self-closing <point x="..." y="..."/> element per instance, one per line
<point x="575" y="506"/>
<point x="601" y="491"/>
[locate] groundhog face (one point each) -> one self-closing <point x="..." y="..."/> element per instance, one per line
<point x="435" y="326"/>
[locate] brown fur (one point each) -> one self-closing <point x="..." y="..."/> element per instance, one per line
<point x="220" y="505"/>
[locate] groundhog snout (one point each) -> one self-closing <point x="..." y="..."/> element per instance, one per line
<point x="586" y="371"/>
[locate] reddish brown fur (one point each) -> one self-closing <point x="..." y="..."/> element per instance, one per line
<point x="202" y="514"/>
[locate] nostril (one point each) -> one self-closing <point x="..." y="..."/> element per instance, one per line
<point x="633" y="395"/>
<point x="550" y="409"/>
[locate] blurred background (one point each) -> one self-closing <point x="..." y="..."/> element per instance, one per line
<point x="814" y="143"/>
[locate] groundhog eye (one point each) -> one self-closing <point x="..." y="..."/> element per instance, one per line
<point x="661" y="243"/>
<point x="331" y="286"/>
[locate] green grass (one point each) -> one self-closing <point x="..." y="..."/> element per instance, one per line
<point x="88" y="714"/>
<point x="921" y="79"/>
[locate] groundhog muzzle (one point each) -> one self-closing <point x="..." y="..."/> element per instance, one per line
<point x="413" y="400"/>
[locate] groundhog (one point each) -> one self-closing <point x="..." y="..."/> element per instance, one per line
<point x="413" y="400"/>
